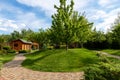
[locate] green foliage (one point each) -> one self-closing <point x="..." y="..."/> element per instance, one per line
<point x="23" y="51"/>
<point x="98" y="36"/>
<point x="11" y="51"/>
<point x="24" y="34"/>
<point x="69" y="26"/>
<point x="113" y="36"/>
<point x="6" y="48"/>
<point x="82" y="28"/>
<point x="99" y="40"/>
<point x="40" y="37"/>
<point x="59" y="60"/>
<point x="105" y="70"/>
<point x="1" y="42"/>
<point x="61" y="29"/>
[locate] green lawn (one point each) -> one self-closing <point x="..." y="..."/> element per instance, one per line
<point x="5" y="58"/>
<point x="113" y="52"/>
<point x="73" y="60"/>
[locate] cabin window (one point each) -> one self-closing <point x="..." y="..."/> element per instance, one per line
<point x="15" y="45"/>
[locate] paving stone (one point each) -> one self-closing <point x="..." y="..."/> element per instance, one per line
<point x="13" y="71"/>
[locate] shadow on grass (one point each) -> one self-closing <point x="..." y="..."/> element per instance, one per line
<point x="31" y="60"/>
<point x="88" y="61"/>
<point x="28" y="62"/>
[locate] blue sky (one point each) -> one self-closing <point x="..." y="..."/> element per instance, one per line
<point x="36" y="14"/>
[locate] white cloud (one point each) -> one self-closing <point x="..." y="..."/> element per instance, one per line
<point x="10" y="25"/>
<point x="48" y="5"/>
<point x="107" y="18"/>
<point x="101" y="12"/>
<point x="29" y="19"/>
<point x="97" y="14"/>
<point x="3" y="29"/>
<point x="107" y="3"/>
<point x="8" y="8"/>
<point x="22" y="20"/>
<point x="104" y="2"/>
<point x="45" y="5"/>
<point x="32" y="21"/>
<point x="81" y="4"/>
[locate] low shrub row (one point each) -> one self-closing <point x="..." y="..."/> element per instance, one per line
<point x="7" y="49"/>
<point x="23" y="51"/>
<point x="105" y="70"/>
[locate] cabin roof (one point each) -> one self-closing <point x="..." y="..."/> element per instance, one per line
<point x="24" y="41"/>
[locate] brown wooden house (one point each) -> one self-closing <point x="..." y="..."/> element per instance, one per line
<point x="21" y="44"/>
<point x="35" y="45"/>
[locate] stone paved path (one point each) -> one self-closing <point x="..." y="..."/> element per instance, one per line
<point x="13" y="71"/>
<point x="109" y="55"/>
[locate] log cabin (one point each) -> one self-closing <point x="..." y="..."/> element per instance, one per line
<point x="21" y="44"/>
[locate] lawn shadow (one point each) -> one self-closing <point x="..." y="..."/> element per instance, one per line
<point x="31" y="61"/>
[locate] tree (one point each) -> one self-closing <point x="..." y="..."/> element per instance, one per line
<point x="116" y="31"/>
<point x="15" y="35"/>
<point x="98" y="36"/>
<point x="61" y="23"/>
<point x="1" y="42"/>
<point x="26" y="34"/>
<point x="40" y="37"/>
<point x="82" y="28"/>
<point x="109" y="39"/>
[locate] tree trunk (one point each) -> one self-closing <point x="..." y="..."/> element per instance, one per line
<point x="1" y="47"/>
<point x="66" y="46"/>
<point x="39" y="46"/>
<point x="81" y="44"/>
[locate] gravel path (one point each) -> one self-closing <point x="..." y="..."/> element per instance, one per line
<point x="109" y="55"/>
<point x="13" y="71"/>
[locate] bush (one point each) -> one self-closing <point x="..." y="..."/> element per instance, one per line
<point x="50" y="47"/>
<point x="4" y="51"/>
<point x="105" y="70"/>
<point x="6" y="48"/>
<point x="94" y="73"/>
<point x="22" y="51"/>
<point x="62" y="46"/>
<point x="11" y="51"/>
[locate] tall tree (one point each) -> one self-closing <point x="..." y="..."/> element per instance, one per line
<point x="40" y="37"/>
<point x="1" y="42"/>
<point x="116" y="30"/>
<point x="82" y="27"/>
<point x="15" y="35"/>
<point x="98" y="36"/>
<point x="25" y="34"/>
<point x="62" y="24"/>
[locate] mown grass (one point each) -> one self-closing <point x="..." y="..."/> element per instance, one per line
<point x="73" y="60"/>
<point x="5" y="58"/>
<point x="112" y="51"/>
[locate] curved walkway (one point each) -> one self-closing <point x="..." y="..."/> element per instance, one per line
<point x="109" y="55"/>
<point x="14" y="71"/>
